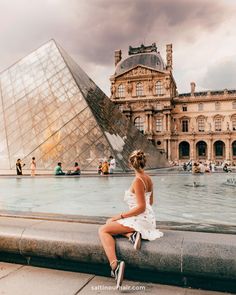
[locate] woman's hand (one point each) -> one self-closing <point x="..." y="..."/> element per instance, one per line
<point x="114" y="218"/>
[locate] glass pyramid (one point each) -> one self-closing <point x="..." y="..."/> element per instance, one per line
<point x="51" y="110"/>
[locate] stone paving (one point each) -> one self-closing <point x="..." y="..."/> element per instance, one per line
<point x="16" y="279"/>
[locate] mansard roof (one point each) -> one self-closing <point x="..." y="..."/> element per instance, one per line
<point x="152" y="60"/>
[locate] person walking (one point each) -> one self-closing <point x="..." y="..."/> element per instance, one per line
<point x="19" y="166"/>
<point x="112" y="165"/>
<point x="33" y="166"/>
<point x="137" y="223"/>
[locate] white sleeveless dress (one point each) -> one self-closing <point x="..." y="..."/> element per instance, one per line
<point x="145" y="223"/>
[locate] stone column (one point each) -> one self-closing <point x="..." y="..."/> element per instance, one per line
<point x="176" y="151"/>
<point x="169" y="150"/>
<point x="192" y="150"/>
<point x="164" y="123"/>
<point x="151" y="123"/>
<point x="146" y="123"/>
<point x="212" y="150"/>
<point x="169" y="122"/>
<point x="167" y="127"/>
<point x="209" y="150"/>
<point x="165" y="146"/>
<point x="228" y="150"/>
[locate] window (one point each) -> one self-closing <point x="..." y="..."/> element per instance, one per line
<point x="139" y="123"/>
<point x="201" y="148"/>
<point x="184" y="108"/>
<point x="158" y="124"/>
<point x="185" y="126"/>
<point x="184" y="150"/>
<point x="159" y="88"/>
<point x="234" y="148"/>
<point x="121" y="90"/>
<point x="218" y="124"/>
<point x="219" y="148"/>
<point x="139" y="89"/>
<point x="201" y="125"/>
<point x="217" y="106"/>
<point x="234" y="104"/>
<point x="234" y="124"/>
<point x="200" y="107"/>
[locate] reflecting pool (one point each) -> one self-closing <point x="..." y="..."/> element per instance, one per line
<point x="178" y="197"/>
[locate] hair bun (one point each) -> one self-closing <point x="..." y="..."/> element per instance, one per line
<point x="138" y="159"/>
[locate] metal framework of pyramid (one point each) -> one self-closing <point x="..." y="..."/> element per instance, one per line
<point x="51" y="110"/>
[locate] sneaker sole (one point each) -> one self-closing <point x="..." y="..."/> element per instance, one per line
<point x="137" y="244"/>
<point x="120" y="275"/>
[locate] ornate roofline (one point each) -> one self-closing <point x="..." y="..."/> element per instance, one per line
<point x="208" y="93"/>
<point x="142" y="49"/>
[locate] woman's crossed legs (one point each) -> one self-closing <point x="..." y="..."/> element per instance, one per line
<point x="106" y="233"/>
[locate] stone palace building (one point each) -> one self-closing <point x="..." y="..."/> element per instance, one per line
<point x="197" y="126"/>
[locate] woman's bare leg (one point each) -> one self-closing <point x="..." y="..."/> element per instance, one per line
<point x="106" y="233"/>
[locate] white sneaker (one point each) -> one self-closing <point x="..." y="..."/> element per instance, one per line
<point x="118" y="273"/>
<point x="136" y="240"/>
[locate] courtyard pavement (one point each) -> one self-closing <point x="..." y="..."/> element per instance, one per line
<point x="16" y="279"/>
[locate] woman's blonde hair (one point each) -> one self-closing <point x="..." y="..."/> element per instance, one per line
<point x="137" y="159"/>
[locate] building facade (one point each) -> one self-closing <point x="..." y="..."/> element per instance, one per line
<point x="189" y="126"/>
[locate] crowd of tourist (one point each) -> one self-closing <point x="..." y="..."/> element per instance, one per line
<point x="104" y="167"/>
<point x="204" y="167"/>
<point x="107" y="166"/>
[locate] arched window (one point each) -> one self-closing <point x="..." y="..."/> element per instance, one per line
<point x="201" y="124"/>
<point x="139" y="89"/>
<point x="234" y="148"/>
<point x="121" y="90"/>
<point x="218" y="124"/>
<point x="201" y="149"/>
<point x="219" y="148"/>
<point x="139" y="123"/>
<point x="159" y="88"/>
<point x="184" y="150"/>
<point x="158" y="124"/>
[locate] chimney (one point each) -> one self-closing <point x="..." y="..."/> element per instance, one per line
<point x="193" y="85"/>
<point x="169" y="56"/>
<point x="118" y="57"/>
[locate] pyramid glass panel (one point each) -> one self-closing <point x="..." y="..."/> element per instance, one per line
<point x="51" y="110"/>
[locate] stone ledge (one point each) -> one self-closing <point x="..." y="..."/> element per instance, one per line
<point x="203" y="260"/>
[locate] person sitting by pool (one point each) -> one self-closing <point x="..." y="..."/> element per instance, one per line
<point x="76" y="170"/>
<point x="105" y="167"/>
<point x="100" y="168"/>
<point x="58" y="169"/>
<point x="136" y="223"/>
<point x="226" y="168"/>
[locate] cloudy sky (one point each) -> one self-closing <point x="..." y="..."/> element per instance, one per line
<point x="202" y="33"/>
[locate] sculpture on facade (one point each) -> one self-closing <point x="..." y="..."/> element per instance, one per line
<point x="113" y="90"/>
<point x="130" y="87"/>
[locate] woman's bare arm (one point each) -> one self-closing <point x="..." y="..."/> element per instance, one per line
<point x="141" y="203"/>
